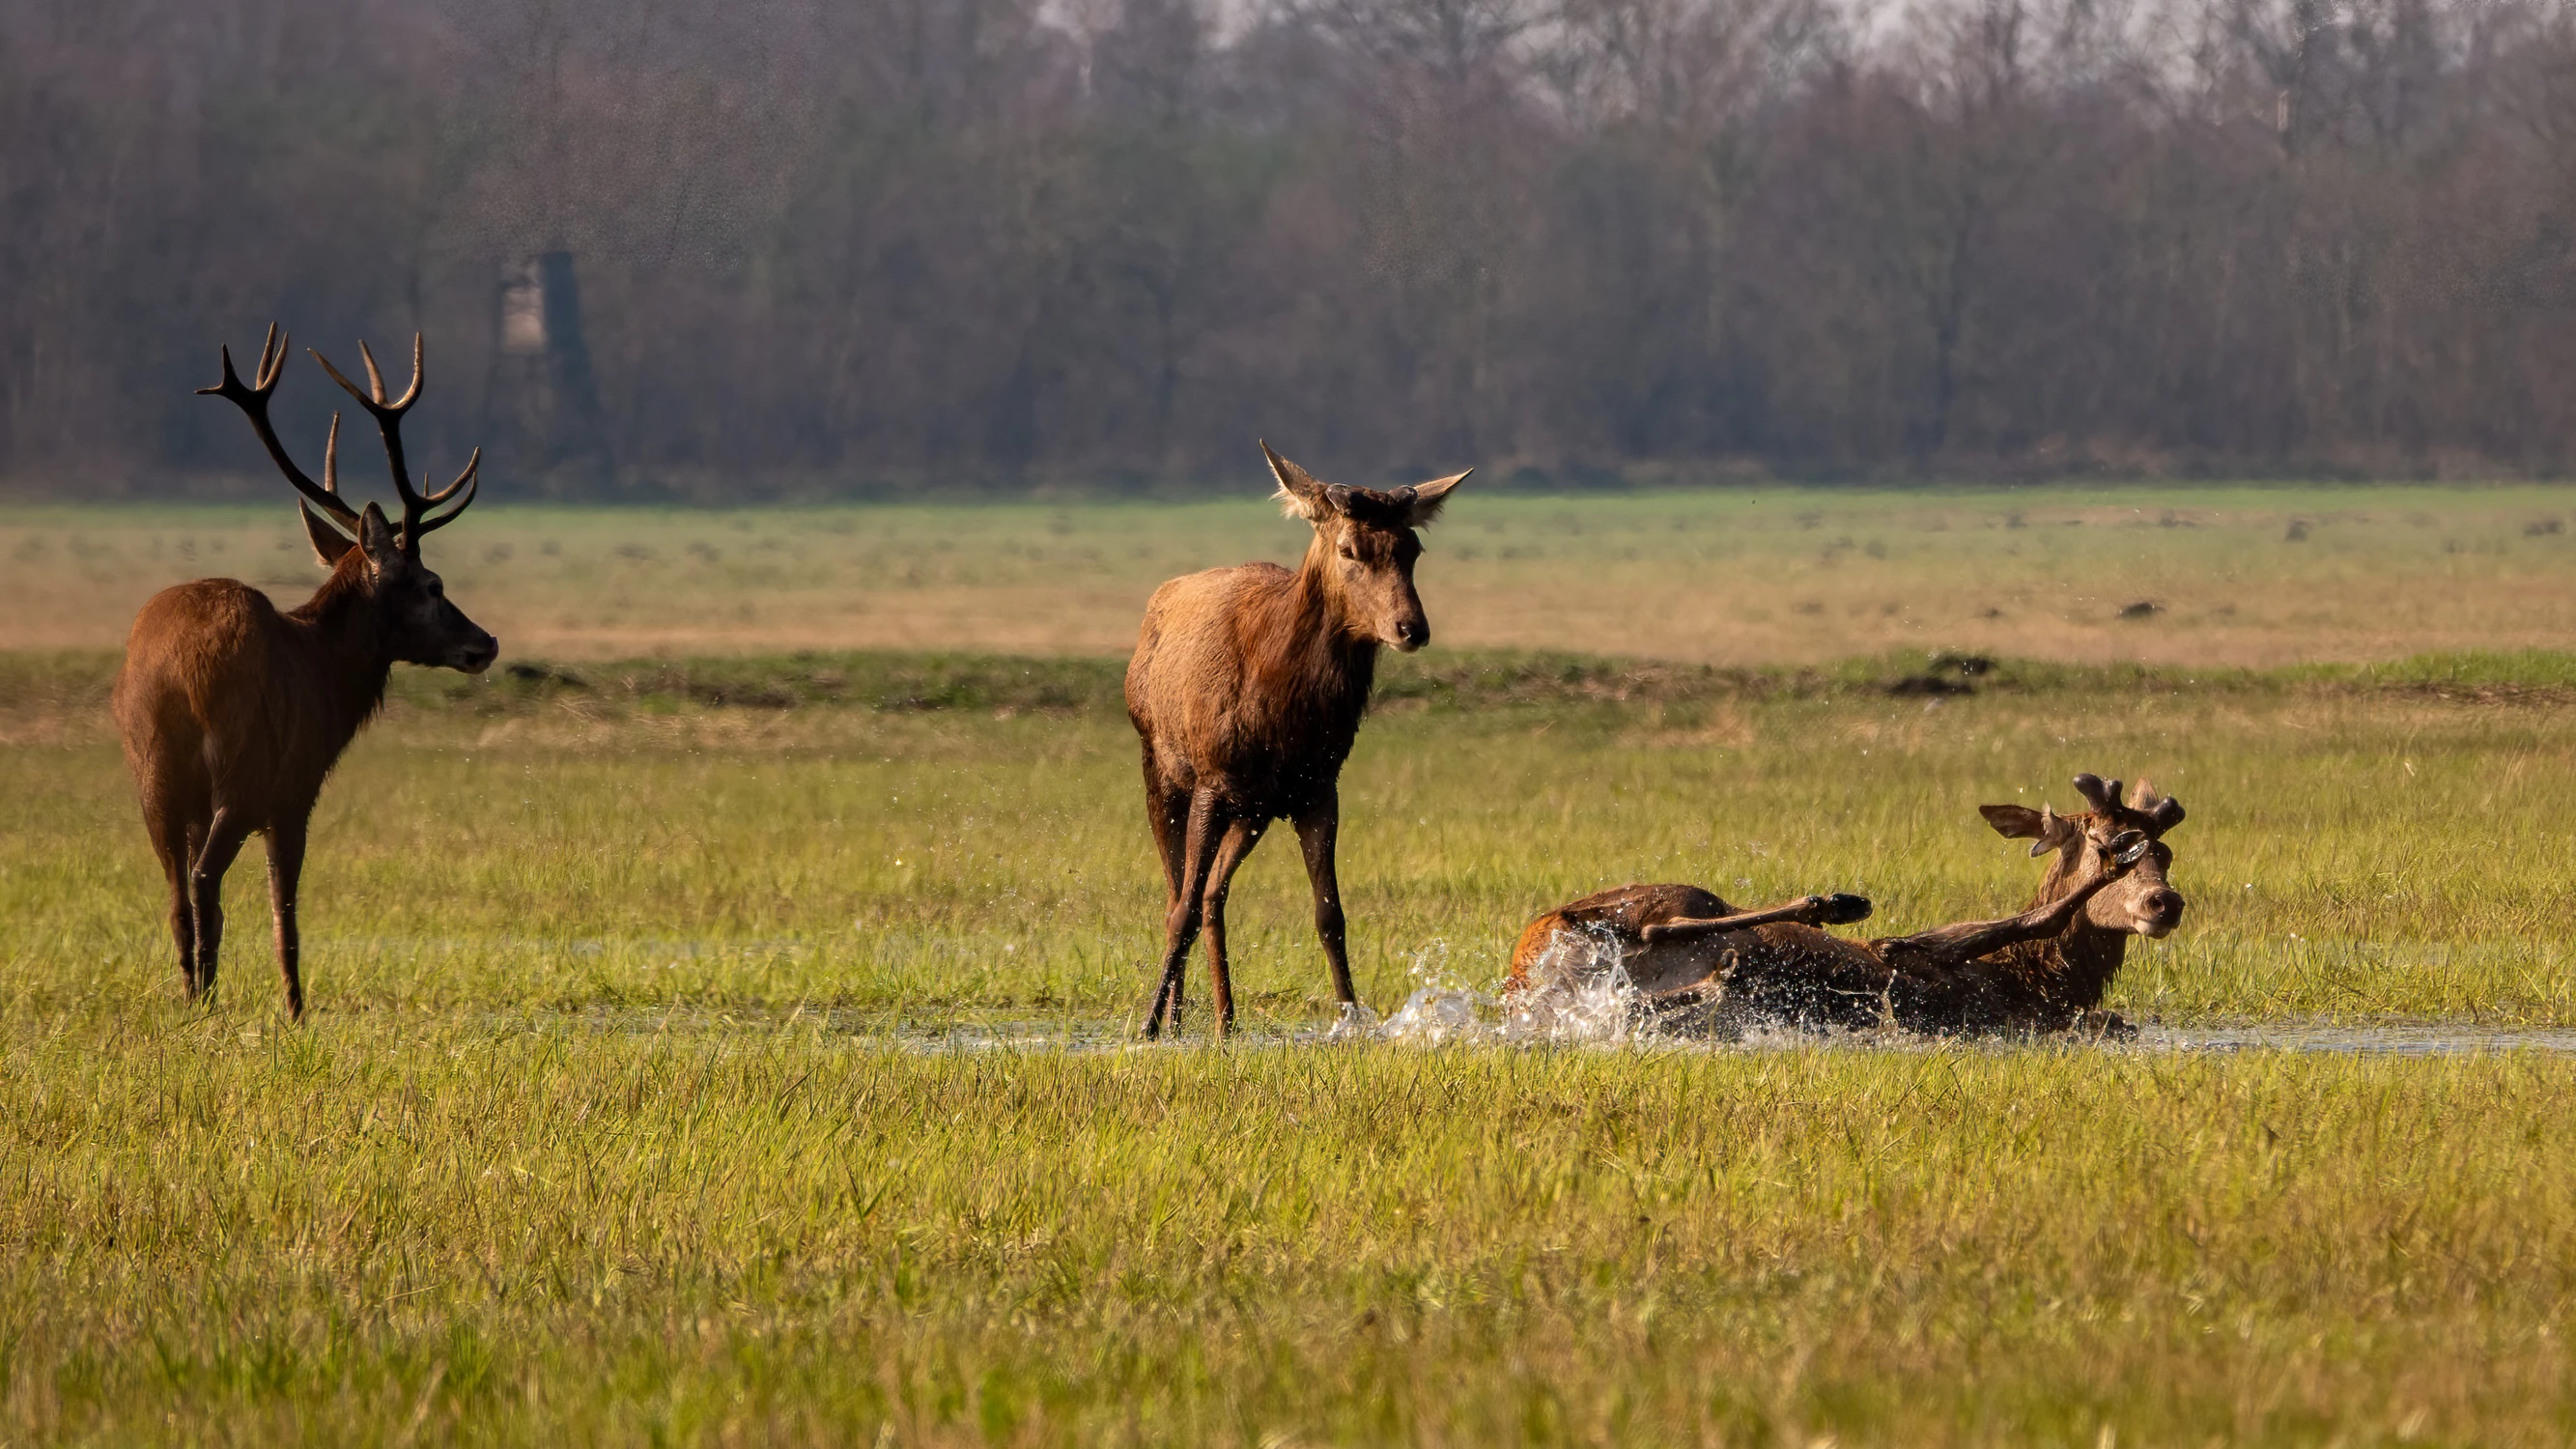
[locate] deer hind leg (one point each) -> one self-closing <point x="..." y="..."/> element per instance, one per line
<point x="285" y="869"/>
<point x="1318" y="831"/>
<point x="176" y="840"/>
<point x="1832" y="910"/>
<point x="222" y="841"/>
<point x="1167" y="813"/>
<point x="1241" y="835"/>
<point x="1181" y="921"/>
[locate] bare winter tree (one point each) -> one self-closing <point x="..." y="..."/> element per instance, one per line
<point x="873" y="244"/>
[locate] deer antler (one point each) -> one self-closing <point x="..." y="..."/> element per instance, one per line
<point x="253" y="401"/>
<point x="388" y="416"/>
<point x="2103" y="798"/>
<point x="2164" y="810"/>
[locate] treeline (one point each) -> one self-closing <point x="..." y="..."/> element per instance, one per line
<point x="855" y="244"/>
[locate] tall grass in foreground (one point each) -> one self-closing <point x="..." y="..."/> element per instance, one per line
<point x="394" y="1228"/>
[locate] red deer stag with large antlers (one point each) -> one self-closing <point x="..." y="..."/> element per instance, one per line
<point x="233" y="712"/>
<point x="1247" y="689"/>
<point x="2043" y="970"/>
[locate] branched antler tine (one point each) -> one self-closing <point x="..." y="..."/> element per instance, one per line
<point x="272" y="360"/>
<point x="471" y="480"/>
<point x="232" y="380"/>
<point x="411" y="394"/>
<point x="350" y="387"/>
<point x="253" y="401"/>
<point x="388" y="418"/>
<point x="2089" y="786"/>
<point x="443" y="494"/>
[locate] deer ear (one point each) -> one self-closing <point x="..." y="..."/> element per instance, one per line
<point x="329" y="543"/>
<point x="2041" y="827"/>
<point x="2013" y="822"/>
<point x="1422" y="501"/>
<point x="376" y="536"/>
<point x="1300" y="495"/>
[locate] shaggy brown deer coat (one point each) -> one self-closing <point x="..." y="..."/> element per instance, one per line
<point x="1246" y="691"/>
<point x="233" y="712"/>
<point x="2044" y="969"/>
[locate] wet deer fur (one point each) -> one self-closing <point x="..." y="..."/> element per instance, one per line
<point x="2044" y="969"/>
<point x="1246" y="690"/>
<point x="233" y="712"/>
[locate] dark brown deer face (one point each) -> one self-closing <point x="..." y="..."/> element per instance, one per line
<point x="423" y="626"/>
<point x="1369" y="542"/>
<point x="2141" y="903"/>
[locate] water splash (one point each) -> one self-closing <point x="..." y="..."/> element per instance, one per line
<point x="1579" y="994"/>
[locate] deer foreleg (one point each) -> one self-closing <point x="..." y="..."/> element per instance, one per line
<point x="1181" y="921"/>
<point x="1318" y="832"/>
<point x="1950" y="947"/>
<point x="1240" y="836"/>
<point x="1832" y="910"/>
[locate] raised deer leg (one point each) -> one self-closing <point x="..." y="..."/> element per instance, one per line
<point x="285" y="868"/>
<point x="1833" y="910"/>
<point x="1240" y="837"/>
<point x="1181" y="922"/>
<point x="1318" y="829"/>
<point x="1951" y="947"/>
<point x="223" y="841"/>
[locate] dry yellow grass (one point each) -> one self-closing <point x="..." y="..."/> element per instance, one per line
<point x="1733" y="578"/>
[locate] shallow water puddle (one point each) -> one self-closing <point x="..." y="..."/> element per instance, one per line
<point x="2400" y="1039"/>
<point x="1449" y="1016"/>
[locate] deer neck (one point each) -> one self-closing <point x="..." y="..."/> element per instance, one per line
<point x="351" y="649"/>
<point x="1333" y="655"/>
<point x="2079" y="961"/>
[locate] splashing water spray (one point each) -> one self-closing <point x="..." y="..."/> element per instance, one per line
<point x="1580" y="995"/>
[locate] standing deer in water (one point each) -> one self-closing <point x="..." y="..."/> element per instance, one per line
<point x="232" y="712"/>
<point x="2043" y="970"/>
<point x="1246" y="690"/>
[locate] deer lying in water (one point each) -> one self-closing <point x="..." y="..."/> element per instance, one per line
<point x="1246" y="691"/>
<point x="232" y="712"/>
<point x="2045" y="969"/>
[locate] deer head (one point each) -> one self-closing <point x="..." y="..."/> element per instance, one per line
<point x="2140" y="903"/>
<point x="1366" y="544"/>
<point x="418" y="623"/>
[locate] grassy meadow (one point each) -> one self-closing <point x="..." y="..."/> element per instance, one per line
<point x="2249" y="576"/>
<point x="718" y="1043"/>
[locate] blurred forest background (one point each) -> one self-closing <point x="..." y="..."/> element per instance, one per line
<point x="816" y="246"/>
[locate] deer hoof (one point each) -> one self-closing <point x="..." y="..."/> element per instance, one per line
<point x="1841" y="909"/>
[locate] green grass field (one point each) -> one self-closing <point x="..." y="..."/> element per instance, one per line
<point x="723" y="1047"/>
